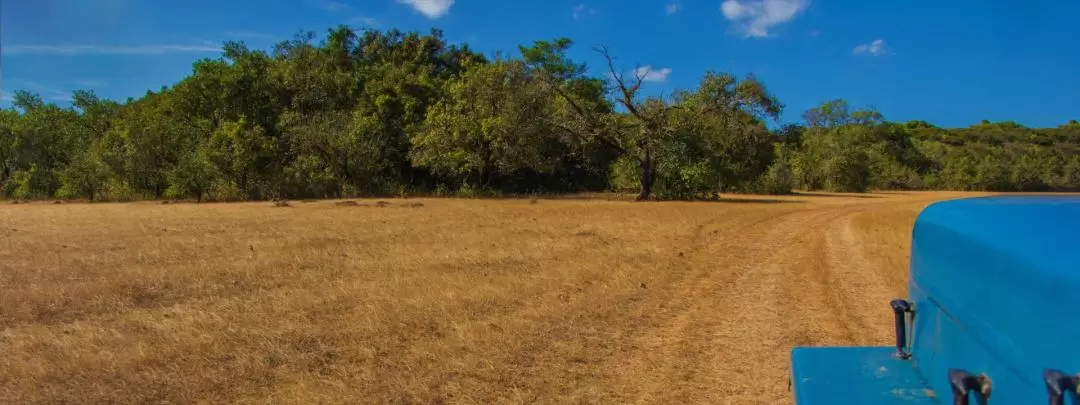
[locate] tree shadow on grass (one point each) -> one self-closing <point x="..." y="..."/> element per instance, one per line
<point x="632" y="197"/>
<point x="752" y="201"/>
<point x="586" y="196"/>
<point x="748" y="200"/>
<point x="813" y="194"/>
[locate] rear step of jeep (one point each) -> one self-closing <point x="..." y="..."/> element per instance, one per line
<point x="856" y="375"/>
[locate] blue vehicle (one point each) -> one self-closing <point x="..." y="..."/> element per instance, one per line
<point x="990" y="317"/>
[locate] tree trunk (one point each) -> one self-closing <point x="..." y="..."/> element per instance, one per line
<point x="4" y="176"/>
<point x="485" y="164"/>
<point x="646" y="177"/>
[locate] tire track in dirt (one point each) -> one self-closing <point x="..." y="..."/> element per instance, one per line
<point x="857" y="287"/>
<point x="713" y="349"/>
<point x="722" y="331"/>
<point x="814" y="315"/>
<point x="747" y="346"/>
<point x="757" y="329"/>
<point x="800" y="278"/>
<point x="532" y="358"/>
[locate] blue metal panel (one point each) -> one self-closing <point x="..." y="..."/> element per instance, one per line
<point x="996" y="283"/>
<point x="856" y="375"/>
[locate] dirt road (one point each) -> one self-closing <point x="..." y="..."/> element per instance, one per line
<point x="448" y="301"/>
<point x="807" y="276"/>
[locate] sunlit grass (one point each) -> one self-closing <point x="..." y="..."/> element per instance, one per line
<point x="418" y="301"/>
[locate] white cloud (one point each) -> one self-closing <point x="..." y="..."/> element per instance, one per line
<point x="647" y="73"/>
<point x="734" y="10"/>
<point x="581" y="9"/>
<point x="877" y="47"/>
<point x="107" y="49"/>
<point x="754" y="18"/>
<point x="672" y="8"/>
<point x="430" y="8"/>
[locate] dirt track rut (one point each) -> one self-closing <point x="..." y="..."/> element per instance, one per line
<point x="796" y="278"/>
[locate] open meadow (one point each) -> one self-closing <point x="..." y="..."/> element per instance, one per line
<point x="441" y="300"/>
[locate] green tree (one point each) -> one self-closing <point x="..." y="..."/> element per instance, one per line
<point x="245" y="156"/>
<point x="492" y="122"/>
<point x="193" y="176"/>
<point x="387" y="111"/>
<point x="8" y="141"/>
<point x="85" y="176"/>
<point x="831" y="113"/>
<point x="1071" y="174"/>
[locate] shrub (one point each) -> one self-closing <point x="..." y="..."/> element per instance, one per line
<point x="778" y="179"/>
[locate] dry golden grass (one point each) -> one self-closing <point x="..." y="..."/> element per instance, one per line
<point x="440" y="301"/>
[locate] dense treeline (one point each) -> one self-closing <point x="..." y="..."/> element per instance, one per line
<point x="389" y="112"/>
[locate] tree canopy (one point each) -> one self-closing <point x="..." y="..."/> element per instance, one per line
<point x="388" y="112"/>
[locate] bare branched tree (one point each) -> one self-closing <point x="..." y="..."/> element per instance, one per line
<point x="651" y="115"/>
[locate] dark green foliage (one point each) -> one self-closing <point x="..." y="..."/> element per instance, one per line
<point x="194" y="176"/>
<point x="404" y="113"/>
<point x="85" y="176"/>
<point x="844" y="150"/>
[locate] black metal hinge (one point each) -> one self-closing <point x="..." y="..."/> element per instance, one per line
<point x="1059" y="385"/>
<point x="964" y="384"/>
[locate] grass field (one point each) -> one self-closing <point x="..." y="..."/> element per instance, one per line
<point x="441" y="301"/>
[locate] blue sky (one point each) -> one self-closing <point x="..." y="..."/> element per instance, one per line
<point x="951" y="63"/>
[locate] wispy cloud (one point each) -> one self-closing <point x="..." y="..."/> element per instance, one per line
<point x="254" y="35"/>
<point x="672" y="8"/>
<point x="754" y="18"/>
<point x="68" y="49"/>
<point x="582" y="9"/>
<point x="89" y="83"/>
<point x="876" y="48"/>
<point x="648" y="74"/>
<point x="365" y="21"/>
<point x="432" y="9"/>
<point x="330" y="5"/>
<point x="48" y="93"/>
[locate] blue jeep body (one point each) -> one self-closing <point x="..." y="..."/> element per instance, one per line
<point x="994" y="289"/>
